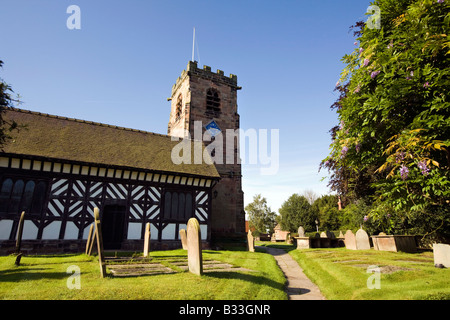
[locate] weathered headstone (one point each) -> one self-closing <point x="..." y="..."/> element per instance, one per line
<point x="147" y="239"/>
<point x="20" y="232"/>
<point x="323" y="235"/>
<point x="362" y="240"/>
<point x="330" y="234"/>
<point x="93" y="240"/>
<point x="98" y="236"/>
<point x="341" y="235"/>
<point x="19" y="238"/>
<point x="301" y="231"/>
<point x="441" y="254"/>
<point x="195" y="261"/>
<point x="183" y="239"/>
<point x="350" y="240"/>
<point x="250" y="242"/>
<point x="90" y="240"/>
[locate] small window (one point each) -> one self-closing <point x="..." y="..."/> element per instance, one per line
<point x="212" y="100"/>
<point x="179" y="108"/>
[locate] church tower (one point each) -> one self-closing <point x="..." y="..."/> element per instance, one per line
<point x="209" y="99"/>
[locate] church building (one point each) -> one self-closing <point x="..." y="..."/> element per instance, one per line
<point x="58" y="169"/>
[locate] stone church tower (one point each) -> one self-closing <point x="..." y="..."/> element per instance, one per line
<point x="211" y="97"/>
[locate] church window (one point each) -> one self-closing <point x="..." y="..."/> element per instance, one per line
<point x="19" y="195"/>
<point x="179" y="107"/>
<point x="212" y="100"/>
<point x="177" y="206"/>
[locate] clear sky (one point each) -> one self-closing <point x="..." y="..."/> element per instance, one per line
<point x="120" y="66"/>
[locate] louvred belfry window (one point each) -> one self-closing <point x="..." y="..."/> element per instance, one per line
<point x="179" y="108"/>
<point x="212" y="100"/>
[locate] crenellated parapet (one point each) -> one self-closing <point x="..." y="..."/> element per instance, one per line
<point x="206" y="73"/>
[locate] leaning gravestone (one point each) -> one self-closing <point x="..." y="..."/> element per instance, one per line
<point x="441" y="253"/>
<point x="147" y="239"/>
<point x="301" y="231"/>
<point x="19" y="238"/>
<point x="194" y="245"/>
<point x="90" y="240"/>
<point x="350" y="240"/>
<point x="183" y="239"/>
<point x="362" y="240"/>
<point x="250" y="242"/>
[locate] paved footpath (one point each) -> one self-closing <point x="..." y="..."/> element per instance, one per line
<point x="298" y="286"/>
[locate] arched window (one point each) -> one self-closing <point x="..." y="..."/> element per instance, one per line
<point x="5" y="193"/>
<point x="19" y="195"/>
<point x="179" y="107"/>
<point x="212" y="100"/>
<point x="27" y="197"/>
<point x="16" y="196"/>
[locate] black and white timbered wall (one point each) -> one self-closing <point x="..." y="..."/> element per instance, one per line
<point x="59" y="199"/>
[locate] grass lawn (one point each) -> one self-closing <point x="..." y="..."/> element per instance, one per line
<point x="45" y="277"/>
<point x="342" y="274"/>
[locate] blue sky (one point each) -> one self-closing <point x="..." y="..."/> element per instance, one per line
<point x="120" y="66"/>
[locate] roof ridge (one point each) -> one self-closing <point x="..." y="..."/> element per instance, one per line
<point x="84" y="121"/>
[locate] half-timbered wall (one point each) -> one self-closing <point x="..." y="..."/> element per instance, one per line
<point x="59" y="199"/>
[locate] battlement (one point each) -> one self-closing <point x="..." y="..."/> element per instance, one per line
<point x="206" y="73"/>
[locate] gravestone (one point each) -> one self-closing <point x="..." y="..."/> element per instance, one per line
<point x="362" y="240"/>
<point x="90" y="240"/>
<point x="183" y="239"/>
<point x="147" y="239"/>
<point x="19" y="238"/>
<point x="330" y="234"/>
<point x="341" y="235"/>
<point x="350" y="240"/>
<point x="441" y="254"/>
<point x="194" y="245"/>
<point x="301" y="231"/>
<point x="250" y="242"/>
<point x="323" y="235"/>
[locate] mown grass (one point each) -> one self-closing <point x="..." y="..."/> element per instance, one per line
<point x="45" y="277"/>
<point x="343" y="274"/>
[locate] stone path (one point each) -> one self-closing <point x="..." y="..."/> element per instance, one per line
<point x="298" y="286"/>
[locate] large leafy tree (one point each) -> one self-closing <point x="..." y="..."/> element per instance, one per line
<point x="295" y="212"/>
<point x="261" y="217"/>
<point x="392" y="143"/>
<point x="326" y="209"/>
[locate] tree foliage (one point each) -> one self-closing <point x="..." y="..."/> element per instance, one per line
<point x="326" y="210"/>
<point x="6" y="101"/>
<point x="261" y="217"/>
<point x="392" y="143"/>
<point x="295" y="212"/>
